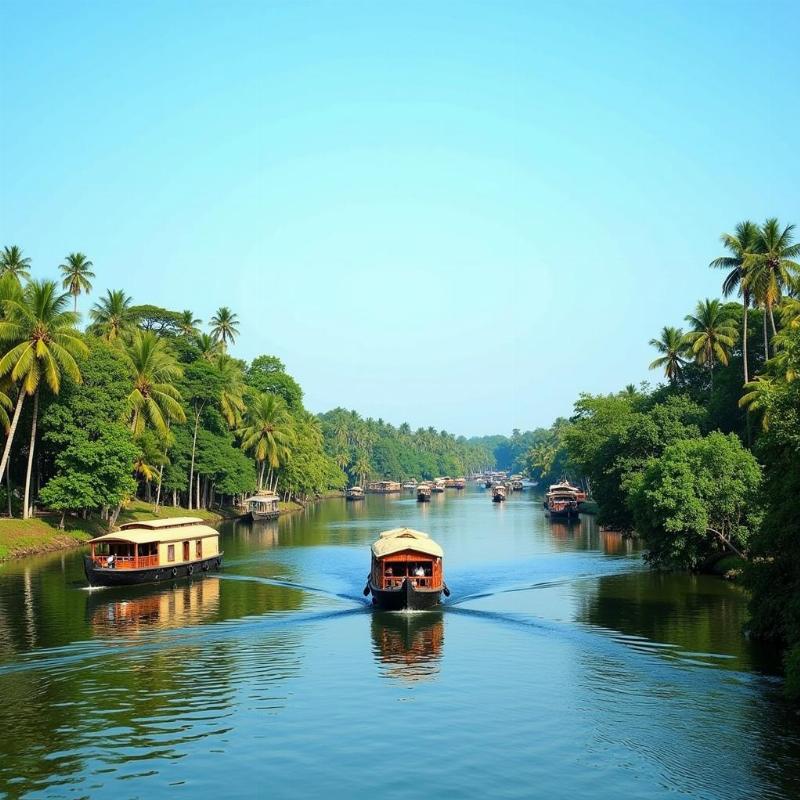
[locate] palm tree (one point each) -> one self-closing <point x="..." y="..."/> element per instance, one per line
<point x="741" y="245"/>
<point x="225" y="326"/>
<point x="769" y="270"/>
<point x="267" y="432"/>
<point x="208" y="346"/>
<point x="187" y="323"/>
<point x="153" y="398"/>
<point x="758" y="397"/>
<point x="44" y="343"/>
<point x="712" y="335"/>
<point x="672" y="345"/>
<point x="231" y="398"/>
<point x="76" y="271"/>
<point x="12" y="262"/>
<point x="112" y="315"/>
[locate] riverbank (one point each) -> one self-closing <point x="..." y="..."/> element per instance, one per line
<point x="27" y="537"/>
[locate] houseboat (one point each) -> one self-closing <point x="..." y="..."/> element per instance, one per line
<point x="438" y="486"/>
<point x="516" y="483"/>
<point x="406" y="571"/>
<point x="384" y="487"/>
<point x="459" y="483"/>
<point x="498" y="493"/>
<point x="562" y="501"/>
<point x="355" y="493"/>
<point x="153" y="550"/>
<point x="410" y="486"/>
<point x="423" y="493"/>
<point x="263" y="506"/>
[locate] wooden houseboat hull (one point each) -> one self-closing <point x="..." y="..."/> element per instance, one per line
<point x="352" y="498"/>
<point x="102" y="576"/>
<point x="258" y="516"/>
<point x="405" y="598"/>
<point x="423" y="498"/>
<point x="499" y="498"/>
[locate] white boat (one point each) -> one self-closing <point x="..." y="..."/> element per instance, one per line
<point x="263" y="506"/>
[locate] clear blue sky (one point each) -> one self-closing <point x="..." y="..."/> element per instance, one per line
<point x="456" y="214"/>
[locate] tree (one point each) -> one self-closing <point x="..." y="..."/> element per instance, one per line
<point x="153" y="398"/>
<point x="757" y="398"/>
<point x="203" y="386"/>
<point x="76" y="271"/>
<point x="188" y="323"/>
<point x="741" y="245"/>
<point x="231" y="394"/>
<point x="699" y="498"/>
<point x="112" y="315"/>
<point x="225" y="326"/>
<point x="672" y="345"/>
<point x="43" y="343"/>
<point x="83" y="434"/>
<point x="712" y="336"/>
<point x="208" y="347"/>
<point x="769" y="270"/>
<point x="267" y="432"/>
<point x="13" y="263"/>
<point x="268" y="374"/>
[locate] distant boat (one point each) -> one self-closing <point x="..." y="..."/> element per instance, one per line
<point x="516" y="483"/>
<point x="410" y="485"/>
<point x="438" y="485"/>
<point x="355" y="493"/>
<point x="263" y="505"/>
<point x="459" y="483"/>
<point x="423" y="493"/>
<point x="152" y="551"/>
<point x="498" y="493"/>
<point x="384" y="487"/>
<point x="406" y="571"/>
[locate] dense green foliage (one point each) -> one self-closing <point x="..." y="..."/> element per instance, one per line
<point x="368" y="448"/>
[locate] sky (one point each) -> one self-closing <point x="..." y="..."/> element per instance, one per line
<point x="458" y="214"/>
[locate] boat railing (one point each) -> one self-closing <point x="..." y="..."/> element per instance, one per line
<point x="127" y="562"/>
<point x="416" y="582"/>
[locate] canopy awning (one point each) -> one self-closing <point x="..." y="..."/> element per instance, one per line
<point x="399" y="539"/>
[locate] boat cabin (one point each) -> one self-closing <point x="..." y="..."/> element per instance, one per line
<point x="405" y="554"/>
<point x="384" y="487"/>
<point x="263" y="506"/>
<point x="155" y="543"/>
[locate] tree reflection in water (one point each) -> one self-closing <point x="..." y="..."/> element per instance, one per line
<point x="408" y="646"/>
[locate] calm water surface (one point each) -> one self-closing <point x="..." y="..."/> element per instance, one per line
<point x="559" y="667"/>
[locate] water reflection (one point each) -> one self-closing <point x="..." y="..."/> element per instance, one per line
<point x="178" y="605"/>
<point x="408" y="646"/>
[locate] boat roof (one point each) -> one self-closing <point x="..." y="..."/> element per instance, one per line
<point x="399" y="539"/>
<point x="159" y="530"/>
<point x="262" y="498"/>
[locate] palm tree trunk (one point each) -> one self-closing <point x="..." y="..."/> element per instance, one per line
<point x="261" y="475"/>
<point x="11" y="431"/>
<point x="766" y="340"/>
<point x="197" y="492"/>
<point x="8" y="492"/>
<point x="194" y="448"/>
<point x="744" y="342"/>
<point x="772" y="320"/>
<point x="26" y="509"/>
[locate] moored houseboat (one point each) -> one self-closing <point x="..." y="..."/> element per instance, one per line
<point x="562" y="501"/>
<point x="355" y="493"/>
<point x="516" y="483"/>
<point x="498" y="493"/>
<point x="263" y="505"/>
<point x="423" y="493"/>
<point x="438" y="486"/>
<point x="152" y="550"/>
<point x="406" y="571"/>
<point x="459" y="483"/>
<point x="384" y="487"/>
<point x="410" y="486"/>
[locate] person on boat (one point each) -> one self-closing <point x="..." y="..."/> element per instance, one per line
<point x="110" y="561"/>
<point x="419" y="572"/>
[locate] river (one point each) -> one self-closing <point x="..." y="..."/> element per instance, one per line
<point x="560" y="667"/>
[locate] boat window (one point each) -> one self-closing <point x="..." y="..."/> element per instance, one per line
<point x="170" y="552"/>
<point x="199" y="550"/>
<point x="186" y="551"/>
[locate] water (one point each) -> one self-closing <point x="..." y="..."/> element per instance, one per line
<point x="560" y="667"/>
